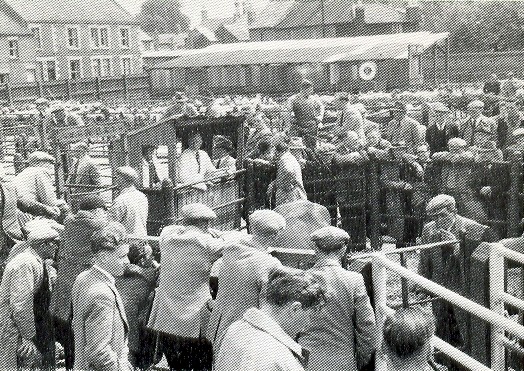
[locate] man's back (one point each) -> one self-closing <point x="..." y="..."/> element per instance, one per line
<point x="242" y="276"/>
<point x="35" y="184"/>
<point x="131" y="208"/>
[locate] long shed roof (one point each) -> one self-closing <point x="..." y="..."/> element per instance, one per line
<point x="393" y="46"/>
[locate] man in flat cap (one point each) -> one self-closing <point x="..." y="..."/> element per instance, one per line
<point x="131" y="206"/>
<point x="349" y="118"/>
<point x="477" y="128"/>
<point x="308" y="112"/>
<point x="35" y="190"/>
<point x="509" y="87"/>
<point x="449" y="265"/>
<point x="509" y="120"/>
<point x="442" y="129"/>
<point x="188" y="252"/>
<point x="84" y="171"/>
<point x="244" y="271"/>
<point x="42" y="120"/>
<point x="403" y="128"/>
<point x="341" y="336"/>
<point x="26" y="335"/>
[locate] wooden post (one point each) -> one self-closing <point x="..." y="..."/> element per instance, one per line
<point x="515" y="188"/>
<point x="434" y="62"/>
<point x="380" y="292"/>
<point x="125" y="87"/>
<point x="98" y="90"/>
<point x="496" y="288"/>
<point x="169" y="201"/>
<point x="374" y="196"/>
<point x="250" y="184"/>
<point x="446" y="59"/>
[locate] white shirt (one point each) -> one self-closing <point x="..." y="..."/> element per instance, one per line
<point x="191" y="170"/>
<point x="131" y="209"/>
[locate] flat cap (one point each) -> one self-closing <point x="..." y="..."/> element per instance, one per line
<point x="41" y="230"/>
<point x="197" y="212"/>
<point x="127" y="172"/>
<point x="330" y="238"/>
<point x="40" y="156"/>
<point x="457" y="142"/>
<point x="440" y="107"/>
<point x="221" y="141"/>
<point x="439" y="202"/>
<point x="267" y="221"/>
<point x="476" y="104"/>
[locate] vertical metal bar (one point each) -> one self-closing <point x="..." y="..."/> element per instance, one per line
<point x="496" y="287"/>
<point x="378" y="274"/>
<point x="514" y="204"/>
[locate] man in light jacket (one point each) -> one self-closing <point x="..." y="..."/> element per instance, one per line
<point x="188" y="252"/>
<point x="342" y="335"/>
<point x="244" y="272"/>
<point x="263" y="338"/>
<point x="99" y="320"/>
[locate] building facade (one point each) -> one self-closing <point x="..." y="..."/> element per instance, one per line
<point x="76" y="40"/>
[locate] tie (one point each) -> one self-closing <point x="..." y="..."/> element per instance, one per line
<point x="153" y="176"/>
<point x="197" y="157"/>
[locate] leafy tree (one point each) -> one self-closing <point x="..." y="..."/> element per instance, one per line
<point x="163" y="16"/>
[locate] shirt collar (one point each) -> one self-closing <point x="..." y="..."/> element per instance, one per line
<point x="263" y="322"/>
<point x="104" y="273"/>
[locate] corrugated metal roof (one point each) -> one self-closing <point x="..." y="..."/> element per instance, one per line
<point x="305" y="51"/>
<point x="272" y="14"/>
<point x="72" y="11"/>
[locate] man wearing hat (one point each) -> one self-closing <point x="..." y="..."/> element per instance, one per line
<point x="308" y="113"/>
<point x="288" y="185"/>
<point x="244" y="272"/>
<point x="509" y="120"/>
<point x="177" y="106"/>
<point x="403" y="128"/>
<point x="35" y="190"/>
<point x="149" y="170"/>
<point x="42" y="120"/>
<point x="74" y="257"/>
<point x="449" y="266"/>
<point x="26" y="335"/>
<point x="477" y="128"/>
<point x="349" y="118"/>
<point x="258" y="132"/>
<point x="188" y="252"/>
<point x="222" y="149"/>
<point x="343" y="335"/>
<point x="84" y="170"/>
<point x="130" y="207"/>
<point x="442" y="130"/>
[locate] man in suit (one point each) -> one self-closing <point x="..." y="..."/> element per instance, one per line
<point x="42" y="120"/>
<point x="99" y="319"/>
<point x="74" y="257"/>
<point x="449" y="266"/>
<point x="84" y="170"/>
<point x="349" y="118"/>
<point x="342" y="335"/>
<point x="25" y="322"/>
<point x="403" y="128"/>
<point x="288" y="185"/>
<point x="442" y="130"/>
<point x="258" y="132"/>
<point x="149" y="170"/>
<point x="263" y="338"/>
<point x="492" y="85"/>
<point x="188" y="252"/>
<point x="131" y="206"/>
<point x="194" y="164"/>
<point x="243" y="273"/>
<point x="509" y="120"/>
<point x="477" y="128"/>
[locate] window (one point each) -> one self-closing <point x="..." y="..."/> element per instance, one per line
<point x="51" y="70"/>
<point x="47" y="69"/>
<point x="35" y="30"/>
<point x="73" y="39"/>
<point x="100" y="37"/>
<point x="124" y="38"/>
<point x="54" y="38"/>
<point x="75" y="71"/>
<point x="13" y="49"/>
<point x="126" y="65"/>
<point x="101" y="66"/>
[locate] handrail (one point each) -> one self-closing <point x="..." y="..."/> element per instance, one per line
<point x="458" y="356"/>
<point x="218" y="177"/>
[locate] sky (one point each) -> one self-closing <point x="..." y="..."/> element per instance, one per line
<point x="192" y="8"/>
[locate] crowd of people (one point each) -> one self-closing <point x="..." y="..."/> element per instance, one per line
<point x="80" y="282"/>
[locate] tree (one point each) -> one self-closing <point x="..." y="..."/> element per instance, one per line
<point x="163" y="16"/>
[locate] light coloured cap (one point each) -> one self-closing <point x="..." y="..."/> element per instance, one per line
<point x="518" y="132"/>
<point x="41" y="101"/>
<point x="440" y="107"/>
<point x="330" y="238"/>
<point x="457" y="142"/>
<point x="197" y="212"/>
<point x="296" y="143"/>
<point x="440" y="202"/>
<point x="80" y="146"/>
<point x="360" y="107"/>
<point x="266" y="222"/>
<point x="40" y="156"/>
<point x="40" y="230"/>
<point x="476" y="104"/>
<point x="127" y="172"/>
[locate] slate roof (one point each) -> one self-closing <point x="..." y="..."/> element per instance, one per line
<point x="71" y="11"/>
<point x="328" y="50"/>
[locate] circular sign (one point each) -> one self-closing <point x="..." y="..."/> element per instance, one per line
<point x="367" y="70"/>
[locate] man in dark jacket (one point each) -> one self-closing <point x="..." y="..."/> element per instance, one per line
<point x="443" y="129"/>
